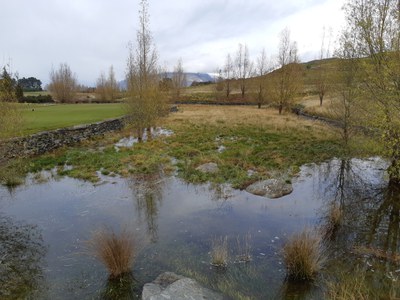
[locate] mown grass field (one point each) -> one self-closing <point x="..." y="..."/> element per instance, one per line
<point x="39" y="117"/>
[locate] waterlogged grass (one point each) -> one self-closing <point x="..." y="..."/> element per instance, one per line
<point x="246" y="143"/>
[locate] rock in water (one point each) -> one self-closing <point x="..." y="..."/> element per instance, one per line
<point x="271" y="188"/>
<point x="174" y="287"/>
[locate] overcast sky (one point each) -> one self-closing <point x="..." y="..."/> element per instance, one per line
<point x="91" y="35"/>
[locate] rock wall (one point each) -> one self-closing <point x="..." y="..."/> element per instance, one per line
<point x="49" y="140"/>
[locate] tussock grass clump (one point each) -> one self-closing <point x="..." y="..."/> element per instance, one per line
<point x="219" y="252"/>
<point x="244" y="248"/>
<point x="349" y="287"/>
<point x="116" y="251"/>
<point x="304" y="255"/>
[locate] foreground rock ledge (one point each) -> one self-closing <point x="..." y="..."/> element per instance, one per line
<point x="174" y="287"/>
<point x="271" y="188"/>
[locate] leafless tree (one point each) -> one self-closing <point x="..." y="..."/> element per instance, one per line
<point x="286" y="80"/>
<point x="322" y="77"/>
<point x="63" y="84"/>
<point x="243" y="67"/>
<point x="178" y="79"/>
<point x="145" y="104"/>
<point x="261" y="70"/>
<point x="228" y="75"/>
<point x="107" y="88"/>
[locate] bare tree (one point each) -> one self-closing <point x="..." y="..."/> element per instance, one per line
<point x="373" y="28"/>
<point x="112" y="85"/>
<point x="101" y="89"/>
<point x="344" y="105"/>
<point x="261" y="70"/>
<point x="178" y="79"/>
<point x="243" y="67"/>
<point x="145" y="104"/>
<point x="63" y="84"/>
<point x="228" y="74"/>
<point x="322" y="77"/>
<point x="107" y="88"/>
<point x="286" y="79"/>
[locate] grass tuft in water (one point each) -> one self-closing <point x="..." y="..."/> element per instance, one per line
<point x="352" y="286"/>
<point x="244" y="248"/>
<point x="304" y="255"/>
<point x="219" y="252"/>
<point x="116" y="251"/>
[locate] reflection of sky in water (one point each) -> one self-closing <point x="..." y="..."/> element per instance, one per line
<point x="174" y="215"/>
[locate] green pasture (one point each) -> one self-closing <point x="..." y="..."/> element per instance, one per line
<point x="41" y="117"/>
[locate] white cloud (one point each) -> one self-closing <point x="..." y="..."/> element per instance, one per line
<point x="90" y="35"/>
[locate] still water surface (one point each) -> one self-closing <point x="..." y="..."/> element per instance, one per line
<point x="44" y="227"/>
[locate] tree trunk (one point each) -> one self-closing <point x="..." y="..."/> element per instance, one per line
<point x="321" y="97"/>
<point x="280" y="108"/>
<point x="140" y="135"/>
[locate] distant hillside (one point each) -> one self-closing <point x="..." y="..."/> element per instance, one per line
<point x="190" y="78"/>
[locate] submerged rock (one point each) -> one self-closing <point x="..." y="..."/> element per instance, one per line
<point x="208" y="168"/>
<point x="171" y="286"/>
<point x="271" y="188"/>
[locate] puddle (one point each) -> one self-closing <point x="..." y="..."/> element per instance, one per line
<point x="128" y="142"/>
<point x="49" y="223"/>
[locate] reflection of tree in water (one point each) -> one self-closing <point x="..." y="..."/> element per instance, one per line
<point x="384" y="220"/>
<point x="148" y="195"/>
<point x="371" y="215"/>
<point x="21" y="253"/>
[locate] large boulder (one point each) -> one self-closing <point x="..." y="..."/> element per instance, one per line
<point x="171" y="286"/>
<point x="271" y="188"/>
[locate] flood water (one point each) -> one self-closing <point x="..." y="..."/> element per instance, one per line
<point x="44" y="228"/>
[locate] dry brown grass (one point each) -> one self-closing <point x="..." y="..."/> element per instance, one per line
<point x="116" y="251"/>
<point x="303" y="255"/>
<point x="219" y="252"/>
<point x="244" y="115"/>
<point x="349" y="287"/>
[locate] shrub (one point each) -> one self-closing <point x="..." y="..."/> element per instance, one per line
<point x="115" y="251"/>
<point x="303" y="255"/>
<point x="37" y="99"/>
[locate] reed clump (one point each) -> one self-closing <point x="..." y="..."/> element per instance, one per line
<point x="219" y="252"/>
<point x="116" y="251"/>
<point x="304" y="256"/>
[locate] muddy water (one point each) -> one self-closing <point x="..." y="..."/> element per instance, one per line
<point x="44" y="227"/>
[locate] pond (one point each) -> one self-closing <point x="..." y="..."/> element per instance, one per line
<point x="45" y="226"/>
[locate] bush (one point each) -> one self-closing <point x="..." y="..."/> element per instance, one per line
<point x="37" y="99"/>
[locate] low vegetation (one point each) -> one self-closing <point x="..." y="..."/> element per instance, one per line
<point x="304" y="256"/>
<point x="116" y="251"/>
<point x="352" y="286"/>
<point x="219" y="252"/>
<point x="238" y="139"/>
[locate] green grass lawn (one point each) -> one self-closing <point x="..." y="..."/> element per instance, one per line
<point x="39" y="117"/>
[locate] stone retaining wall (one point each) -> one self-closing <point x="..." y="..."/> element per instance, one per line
<point x="49" y="140"/>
